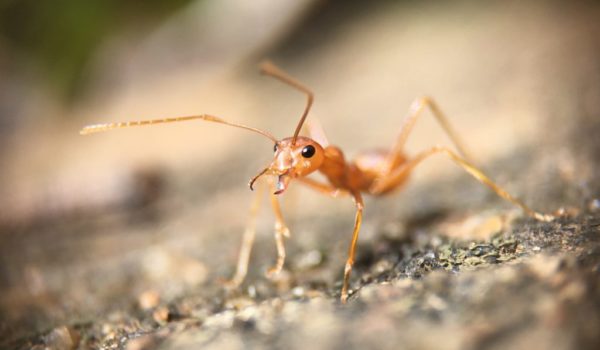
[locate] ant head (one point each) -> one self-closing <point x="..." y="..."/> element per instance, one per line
<point x="294" y="157"/>
<point x="298" y="158"/>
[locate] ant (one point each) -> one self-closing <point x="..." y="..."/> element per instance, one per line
<point x="375" y="172"/>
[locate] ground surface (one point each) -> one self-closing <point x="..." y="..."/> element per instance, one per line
<point x="444" y="264"/>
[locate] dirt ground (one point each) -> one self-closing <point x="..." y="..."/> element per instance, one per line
<point x="128" y="239"/>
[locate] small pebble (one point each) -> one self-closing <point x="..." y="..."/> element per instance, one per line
<point x="161" y="315"/>
<point x="435" y="302"/>
<point x="148" y="300"/>
<point x="309" y="260"/>
<point x="239" y="303"/>
<point x="252" y="292"/>
<point x="382" y="266"/>
<point x="298" y="292"/>
<point x="314" y="293"/>
<point x="62" y="338"/>
<point x="544" y="266"/>
<point x="573" y="291"/>
<point x="141" y="343"/>
<point x="566" y="211"/>
<point x="594" y="205"/>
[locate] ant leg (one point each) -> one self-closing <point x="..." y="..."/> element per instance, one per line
<point x="358" y="201"/>
<point x="389" y="180"/>
<point x="415" y="110"/>
<point x="281" y="231"/>
<point x="247" y="242"/>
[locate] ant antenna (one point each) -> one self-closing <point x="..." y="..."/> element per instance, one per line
<point x="91" y="129"/>
<point x="268" y="68"/>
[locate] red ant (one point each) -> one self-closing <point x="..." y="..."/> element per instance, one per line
<point x="375" y="172"/>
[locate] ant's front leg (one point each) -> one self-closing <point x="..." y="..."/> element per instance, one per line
<point x="247" y="242"/>
<point x="281" y="232"/>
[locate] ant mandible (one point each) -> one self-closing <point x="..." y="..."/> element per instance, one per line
<point x="375" y="172"/>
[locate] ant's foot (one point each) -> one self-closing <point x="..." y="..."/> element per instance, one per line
<point x="230" y="284"/>
<point x="344" y="298"/>
<point x="273" y="273"/>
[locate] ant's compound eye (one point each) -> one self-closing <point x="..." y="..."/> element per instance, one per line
<point x="308" y="151"/>
<point x="275" y="148"/>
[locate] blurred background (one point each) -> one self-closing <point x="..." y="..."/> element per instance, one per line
<point x="89" y="223"/>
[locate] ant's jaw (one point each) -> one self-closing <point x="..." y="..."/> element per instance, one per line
<point x="282" y="183"/>
<point x="253" y="180"/>
<point x="283" y="179"/>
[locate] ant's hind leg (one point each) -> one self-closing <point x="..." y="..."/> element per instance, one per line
<point x="247" y="242"/>
<point x="415" y="110"/>
<point x="384" y="184"/>
<point x="281" y="232"/>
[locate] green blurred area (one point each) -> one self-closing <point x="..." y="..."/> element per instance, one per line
<point x="57" y="38"/>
